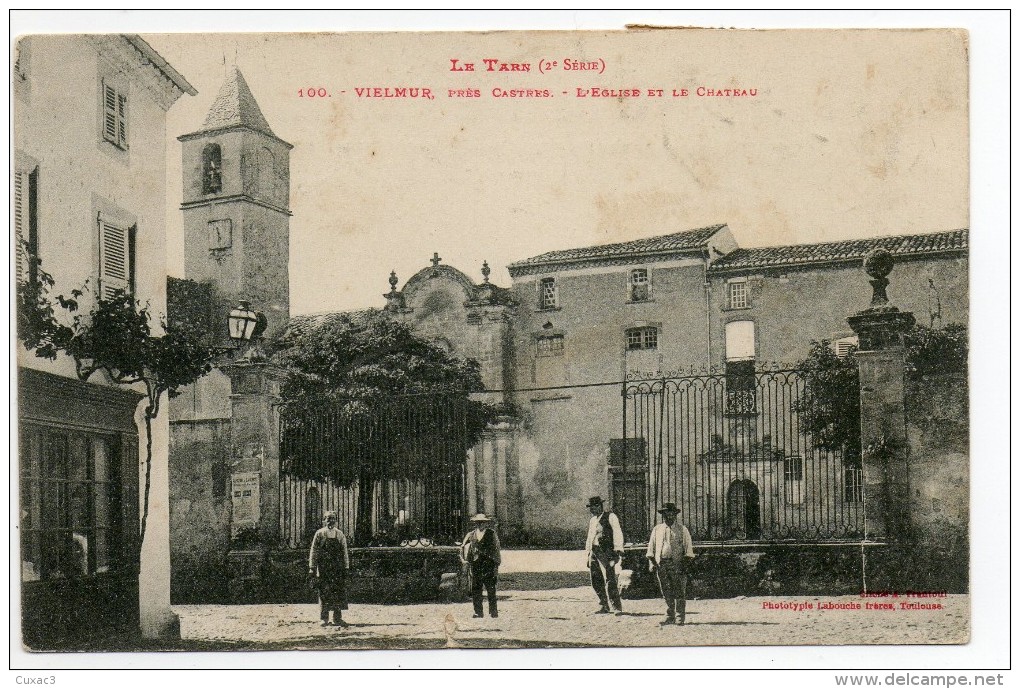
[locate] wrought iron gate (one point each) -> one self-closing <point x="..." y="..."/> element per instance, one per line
<point x="392" y="469"/>
<point x="729" y="450"/>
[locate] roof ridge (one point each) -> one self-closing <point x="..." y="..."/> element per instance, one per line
<point x="856" y="239"/>
<point x="842" y="250"/>
<point x="568" y="254"/>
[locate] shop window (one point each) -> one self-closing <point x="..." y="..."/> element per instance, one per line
<point x="70" y="501"/>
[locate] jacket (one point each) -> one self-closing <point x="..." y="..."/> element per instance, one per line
<point x="481" y="550"/>
<point x="658" y="539"/>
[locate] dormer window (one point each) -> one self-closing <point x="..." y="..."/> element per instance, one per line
<point x="639" y="285"/>
<point x="548" y="297"/>
<point x="212" y="177"/>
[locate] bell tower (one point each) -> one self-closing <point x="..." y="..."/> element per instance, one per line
<point x="236" y="208"/>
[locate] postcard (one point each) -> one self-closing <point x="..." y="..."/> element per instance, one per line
<point x="512" y="339"/>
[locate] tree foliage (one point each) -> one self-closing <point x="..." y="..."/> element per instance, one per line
<point x="830" y="409"/>
<point x="114" y="335"/>
<point x="367" y="397"/>
<point x="936" y="351"/>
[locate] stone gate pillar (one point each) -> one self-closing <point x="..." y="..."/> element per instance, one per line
<point x="255" y="447"/>
<point x="882" y="361"/>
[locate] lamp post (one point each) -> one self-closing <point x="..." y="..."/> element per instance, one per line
<point x="245" y="326"/>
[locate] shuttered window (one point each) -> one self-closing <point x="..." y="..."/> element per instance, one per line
<point x="114" y="116"/>
<point x="21" y="226"/>
<point x="116" y="254"/>
<point x="25" y="230"/>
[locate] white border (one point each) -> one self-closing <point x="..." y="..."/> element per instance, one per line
<point x="990" y="270"/>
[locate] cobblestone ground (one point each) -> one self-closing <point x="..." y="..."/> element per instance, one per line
<point x="564" y="617"/>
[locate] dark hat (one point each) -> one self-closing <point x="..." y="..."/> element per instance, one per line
<point x="595" y="501"/>
<point x="669" y="507"/>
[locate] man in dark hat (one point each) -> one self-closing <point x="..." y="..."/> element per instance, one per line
<point x="670" y="552"/>
<point x="480" y="550"/>
<point x="605" y="549"/>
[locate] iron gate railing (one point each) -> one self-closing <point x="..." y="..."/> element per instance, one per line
<point x="392" y="469"/>
<point x="729" y="450"/>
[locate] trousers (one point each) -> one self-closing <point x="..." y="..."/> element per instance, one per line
<point x="603" y="562"/>
<point x="483" y="577"/>
<point x="672" y="576"/>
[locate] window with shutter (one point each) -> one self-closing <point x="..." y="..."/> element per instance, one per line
<point x="114" y="116"/>
<point x="26" y="235"/>
<point x="114" y="259"/>
<point x="21" y="226"/>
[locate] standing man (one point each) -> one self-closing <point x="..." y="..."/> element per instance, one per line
<point x="480" y="550"/>
<point x="604" y="548"/>
<point x="330" y="560"/>
<point x="670" y="552"/>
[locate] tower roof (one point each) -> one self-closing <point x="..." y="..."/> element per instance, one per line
<point x="235" y="106"/>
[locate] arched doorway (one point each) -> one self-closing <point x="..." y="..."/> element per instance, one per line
<point x="743" y="510"/>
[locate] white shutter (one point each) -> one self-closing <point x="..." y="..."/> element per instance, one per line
<point x="114" y="259"/>
<point x="114" y="116"/>
<point x="21" y="226"/>
<point x="109" y="113"/>
<point x="122" y="120"/>
<point x="739" y="340"/>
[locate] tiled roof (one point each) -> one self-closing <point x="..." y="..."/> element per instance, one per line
<point x="308" y="323"/>
<point x="850" y="250"/>
<point x="235" y="106"/>
<point x="678" y="241"/>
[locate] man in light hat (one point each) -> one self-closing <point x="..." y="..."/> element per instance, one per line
<point x="604" y="548"/>
<point x="670" y="552"/>
<point x="480" y="550"/>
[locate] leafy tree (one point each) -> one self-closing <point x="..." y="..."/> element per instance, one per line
<point x="830" y="408"/>
<point x="115" y="336"/>
<point x="368" y="400"/>
<point x="936" y="350"/>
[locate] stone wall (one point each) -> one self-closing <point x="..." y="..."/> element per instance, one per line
<point x="939" y="503"/>
<point x="199" y="510"/>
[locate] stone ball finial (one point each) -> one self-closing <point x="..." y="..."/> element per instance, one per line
<point x="878" y="263"/>
<point x="486" y="270"/>
<point x="393" y="280"/>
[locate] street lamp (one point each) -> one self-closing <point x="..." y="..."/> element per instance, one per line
<point x="241" y="322"/>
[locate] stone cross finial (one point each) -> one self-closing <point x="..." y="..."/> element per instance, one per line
<point x="486" y="270"/>
<point x="435" y="259"/>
